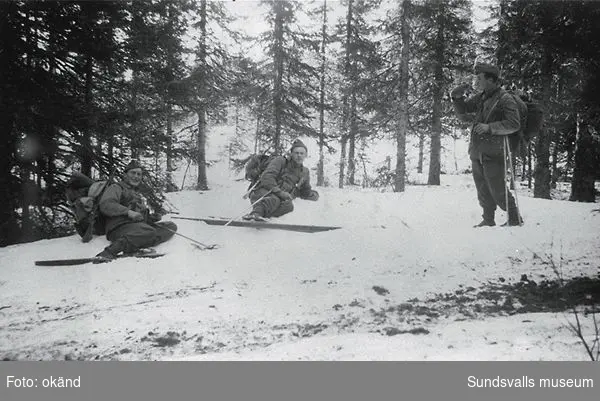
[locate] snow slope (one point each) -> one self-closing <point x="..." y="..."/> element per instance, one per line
<point x="373" y="290"/>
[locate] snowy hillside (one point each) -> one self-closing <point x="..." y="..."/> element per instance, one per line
<point x="405" y="278"/>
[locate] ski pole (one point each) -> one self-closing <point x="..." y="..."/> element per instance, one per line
<point x="247" y="194"/>
<point x="197" y="243"/>
<point x="506" y="189"/>
<point x="251" y="206"/>
<point x="512" y="174"/>
<point x="174" y="209"/>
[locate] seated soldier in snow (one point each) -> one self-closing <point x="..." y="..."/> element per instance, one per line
<point x="284" y="179"/>
<point x="129" y="225"/>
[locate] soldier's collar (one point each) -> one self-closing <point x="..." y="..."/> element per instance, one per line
<point x="487" y="95"/>
<point x="127" y="184"/>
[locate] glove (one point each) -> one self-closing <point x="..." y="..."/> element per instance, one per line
<point x="135" y="216"/>
<point x="481" y="128"/>
<point x="285" y="196"/>
<point x="314" y="195"/>
<point x="154" y="217"/>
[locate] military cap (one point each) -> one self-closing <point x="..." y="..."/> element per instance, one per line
<point x="133" y="165"/>
<point x="487" y="68"/>
<point x="298" y="144"/>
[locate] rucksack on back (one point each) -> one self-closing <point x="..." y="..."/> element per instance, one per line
<point x="532" y="117"/>
<point x="256" y="165"/>
<point x="83" y="195"/>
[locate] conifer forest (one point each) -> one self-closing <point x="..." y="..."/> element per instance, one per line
<point x="88" y="85"/>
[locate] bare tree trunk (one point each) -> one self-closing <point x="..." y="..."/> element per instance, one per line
<point x="9" y="227"/>
<point x="436" y="124"/>
<point x="571" y="151"/>
<point x="257" y="135"/>
<point x="353" y="112"/>
<point x="237" y="118"/>
<point x="454" y="140"/>
<point x="529" y="166"/>
<point x="320" y="164"/>
<point x="86" y="136"/>
<point x="202" y="182"/>
<point x="541" y="188"/>
<point x="435" y="148"/>
<point x="555" y="171"/>
<point x="523" y="153"/>
<point x="134" y="144"/>
<point x="86" y="155"/>
<point x="542" y="175"/>
<point x="346" y="113"/>
<point x="402" y="125"/>
<point x="584" y="174"/>
<point x="98" y="154"/>
<point x="171" y="186"/>
<point x="342" y="161"/>
<point x="169" y="151"/>
<point x="136" y="140"/>
<point x="352" y="141"/>
<point x="278" y="84"/>
<point x="421" y="152"/>
<point x="366" y="181"/>
<point x="26" y="223"/>
<point x="26" y="232"/>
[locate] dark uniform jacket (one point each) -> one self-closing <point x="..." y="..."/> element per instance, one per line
<point x="117" y="200"/>
<point x="498" y="109"/>
<point x="284" y="175"/>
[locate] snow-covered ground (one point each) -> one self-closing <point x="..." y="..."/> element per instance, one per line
<point x="405" y="278"/>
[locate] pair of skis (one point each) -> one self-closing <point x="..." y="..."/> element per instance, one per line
<point x="151" y="254"/>
<point x="257" y="224"/>
<point x="267" y="224"/>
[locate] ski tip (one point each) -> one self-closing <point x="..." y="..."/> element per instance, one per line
<point x="206" y="247"/>
<point x="63" y="262"/>
<point x="94" y="260"/>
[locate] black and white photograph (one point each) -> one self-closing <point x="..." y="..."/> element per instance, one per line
<point x="285" y="180"/>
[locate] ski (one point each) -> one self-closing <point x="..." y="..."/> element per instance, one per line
<point x="82" y="261"/>
<point x="214" y="221"/>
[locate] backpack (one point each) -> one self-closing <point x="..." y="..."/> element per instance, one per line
<point x="256" y="166"/>
<point x="532" y="117"/>
<point x="83" y="195"/>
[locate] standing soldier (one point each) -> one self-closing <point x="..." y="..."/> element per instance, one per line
<point x="495" y="115"/>
<point x="284" y="179"/>
<point x="129" y="225"/>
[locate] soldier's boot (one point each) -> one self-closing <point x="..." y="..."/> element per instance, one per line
<point x="488" y="219"/>
<point x="254" y="216"/>
<point x="112" y="251"/>
<point x="257" y="213"/>
<point x="485" y="223"/>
